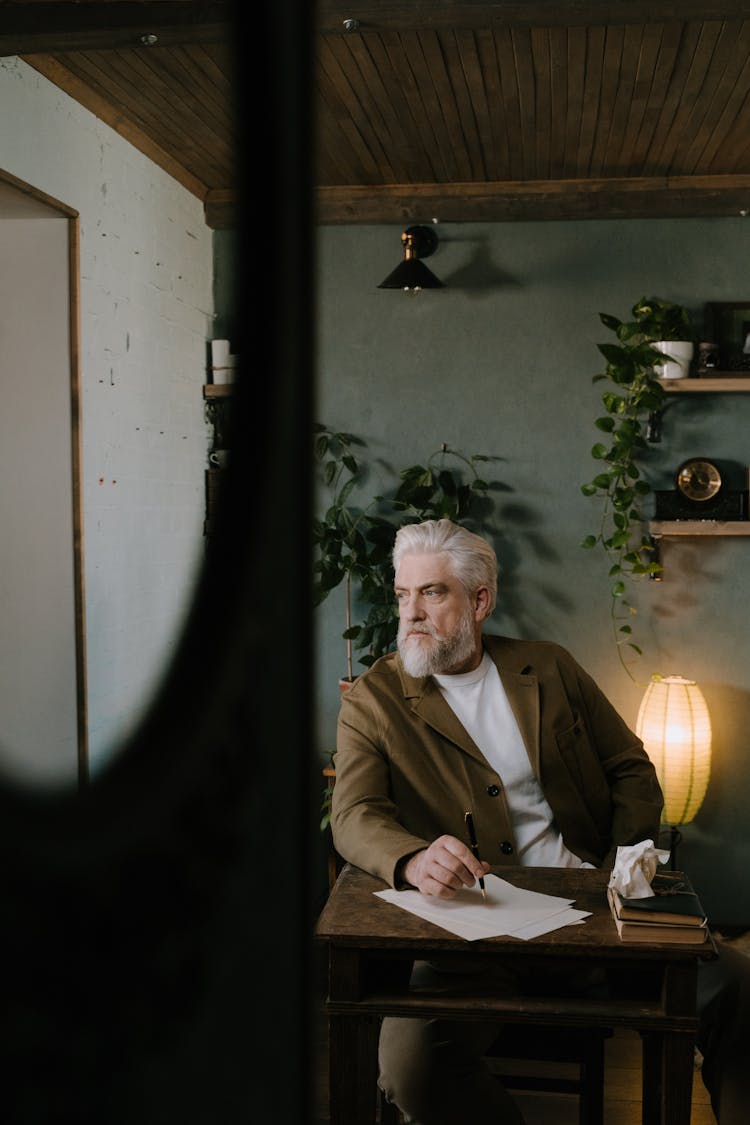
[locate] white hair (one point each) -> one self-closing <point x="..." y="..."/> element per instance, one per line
<point x="473" y="561"/>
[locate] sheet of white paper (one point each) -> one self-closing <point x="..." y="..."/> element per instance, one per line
<point x="507" y="910"/>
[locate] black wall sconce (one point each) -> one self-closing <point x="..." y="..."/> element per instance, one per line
<point x="412" y="275"/>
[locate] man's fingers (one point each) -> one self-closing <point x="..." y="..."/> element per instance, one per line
<point x="459" y="859"/>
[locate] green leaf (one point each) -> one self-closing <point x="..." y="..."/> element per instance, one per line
<point x="618" y="589"/>
<point x="589" y="489"/>
<point x="599" y="451"/>
<point x="589" y="541"/>
<point x="606" y="423"/>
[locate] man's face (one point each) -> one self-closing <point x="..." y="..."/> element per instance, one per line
<point x="439" y="626"/>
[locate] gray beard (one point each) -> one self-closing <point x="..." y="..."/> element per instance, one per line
<point x="445" y="652"/>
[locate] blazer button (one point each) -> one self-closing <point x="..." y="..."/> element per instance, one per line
<point x="493" y="790"/>
<point x="506" y="847"/>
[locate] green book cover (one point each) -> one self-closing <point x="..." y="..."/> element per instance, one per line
<point x="674" y="902"/>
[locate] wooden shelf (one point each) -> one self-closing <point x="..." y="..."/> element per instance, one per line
<point x="223" y="390"/>
<point x="723" y="381"/>
<point x="673" y="528"/>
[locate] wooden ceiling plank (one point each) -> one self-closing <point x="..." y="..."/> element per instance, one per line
<point x="653" y="164"/>
<point x="576" y="67"/>
<point x="698" y="123"/>
<point x="662" y="71"/>
<point x="622" y="110"/>
<point x="194" y="105"/>
<point x="559" y="97"/>
<point x="540" y="55"/>
<point x="590" y="101"/>
<point x="112" y="115"/>
<point x="409" y="149"/>
<point x="643" y="91"/>
<point x="463" y="103"/>
<point x="524" y="66"/>
<point x="434" y="54"/>
<point x="468" y="50"/>
<point x="731" y="132"/>
<point x="115" y="83"/>
<point x="330" y="138"/>
<point x="191" y="70"/>
<point x="65" y="25"/>
<point x="442" y="154"/>
<point x="613" y="47"/>
<point x="348" y="153"/>
<point x="496" y="106"/>
<point x="172" y="119"/>
<point x="406" y="58"/>
<point x="357" y="142"/>
<point x="538" y="200"/>
<point x="730" y="67"/>
<point x="342" y="69"/>
<point x="509" y="82"/>
<point x="404" y="15"/>
<point x="680" y="134"/>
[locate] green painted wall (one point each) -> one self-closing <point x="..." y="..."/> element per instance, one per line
<point x="500" y="362"/>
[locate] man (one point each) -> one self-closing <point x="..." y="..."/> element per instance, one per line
<point x="515" y="731"/>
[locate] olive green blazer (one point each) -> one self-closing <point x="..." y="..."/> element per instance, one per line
<point x="407" y="771"/>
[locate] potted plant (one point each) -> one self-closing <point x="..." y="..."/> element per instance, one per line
<point x="343" y="553"/>
<point x="620" y="486"/>
<point x="664" y="324"/>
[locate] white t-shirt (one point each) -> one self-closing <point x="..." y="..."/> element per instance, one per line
<point x="479" y="700"/>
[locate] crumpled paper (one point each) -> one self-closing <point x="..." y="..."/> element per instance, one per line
<point x="635" y="867"/>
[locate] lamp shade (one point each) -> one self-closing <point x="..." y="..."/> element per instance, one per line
<point x="412" y="275"/>
<point x="675" y="727"/>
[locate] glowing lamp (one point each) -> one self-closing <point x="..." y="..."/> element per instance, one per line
<point x="675" y="727"/>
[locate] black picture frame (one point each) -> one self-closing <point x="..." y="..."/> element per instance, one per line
<point x="728" y="327"/>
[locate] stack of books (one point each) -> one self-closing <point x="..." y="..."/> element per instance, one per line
<point x="673" y="913"/>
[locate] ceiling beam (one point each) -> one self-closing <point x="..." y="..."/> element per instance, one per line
<point x="531" y="200"/>
<point x="400" y="15"/>
<point x="60" y="25"/>
<point x="221" y="209"/>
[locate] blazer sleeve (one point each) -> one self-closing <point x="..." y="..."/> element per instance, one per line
<point x="364" y="819"/>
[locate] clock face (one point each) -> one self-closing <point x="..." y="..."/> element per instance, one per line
<point x="698" y="479"/>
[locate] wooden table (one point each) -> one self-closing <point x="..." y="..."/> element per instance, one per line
<point x="372" y="943"/>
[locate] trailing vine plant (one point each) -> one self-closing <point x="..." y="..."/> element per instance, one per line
<point x="620" y="486"/>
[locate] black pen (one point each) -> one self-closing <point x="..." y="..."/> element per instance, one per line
<point x="474" y="847"/>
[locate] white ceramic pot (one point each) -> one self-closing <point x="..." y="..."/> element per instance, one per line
<point x="680" y="353"/>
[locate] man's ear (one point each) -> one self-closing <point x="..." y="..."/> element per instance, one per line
<point x="482" y="603"/>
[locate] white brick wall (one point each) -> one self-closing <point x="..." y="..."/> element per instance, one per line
<point x="146" y="313"/>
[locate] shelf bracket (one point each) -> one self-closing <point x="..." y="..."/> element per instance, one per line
<point x="655" y="549"/>
<point x="654" y="426"/>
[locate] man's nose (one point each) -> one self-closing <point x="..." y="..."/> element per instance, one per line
<point x="412" y="608"/>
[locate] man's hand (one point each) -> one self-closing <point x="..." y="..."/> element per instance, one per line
<point x="444" y="868"/>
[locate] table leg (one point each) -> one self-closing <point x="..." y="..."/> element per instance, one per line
<point x="352" y="1069"/>
<point x="668" y="1059"/>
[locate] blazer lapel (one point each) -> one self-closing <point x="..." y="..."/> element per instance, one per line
<point x="522" y="689"/>
<point x="427" y="702"/>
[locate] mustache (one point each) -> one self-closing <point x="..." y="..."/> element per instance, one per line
<point x="427" y="630"/>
